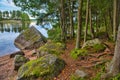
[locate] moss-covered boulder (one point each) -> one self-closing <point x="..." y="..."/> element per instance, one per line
<point x="19" y="60"/>
<point x="29" y="39"/>
<point x="91" y="43"/>
<point x="44" y="68"/>
<point x="51" y="48"/>
<point x="79" y="53"/>
<point x="94" y="45"/>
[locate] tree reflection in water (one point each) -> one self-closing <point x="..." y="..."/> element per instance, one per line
<point x="13" y="27"/>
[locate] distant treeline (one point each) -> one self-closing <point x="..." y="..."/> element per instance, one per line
<point x="14" y="15"/>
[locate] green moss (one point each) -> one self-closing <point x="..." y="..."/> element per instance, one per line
<point x="73" y="77"/>
<point x="55" y="34"/>
<point x="20" y="58"/>
<point x="117" y="77"/>
<point x="78" y="52"/>
<point x="41" y="68"/>
<point x="99" y="47"/>
<point x="30" y="35"/>
<point x="53" y="48"/>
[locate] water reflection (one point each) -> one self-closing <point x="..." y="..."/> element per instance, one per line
<point x="8" y="33"/>
<point x="13" y="27"/>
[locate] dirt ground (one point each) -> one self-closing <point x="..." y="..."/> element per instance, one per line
<point x="7" y="70"/>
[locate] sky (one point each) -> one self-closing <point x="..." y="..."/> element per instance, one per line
<point x="7" y="5"/>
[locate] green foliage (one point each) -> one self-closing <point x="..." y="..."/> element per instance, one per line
<point x="55" y="34"/>
<point x="99" y="47"/>
<point x="73" y="77"/>
<point x="102" y="70"/>
<point x="78" y="52"/>
<point x="43" y="67"/>
<point x="98" y="76"/>
<point x="53" y="48"/>
<point x="25" y="17"/>
<point x="117" y="77"/>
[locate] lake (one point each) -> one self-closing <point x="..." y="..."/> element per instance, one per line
<point x="9" y="31"/>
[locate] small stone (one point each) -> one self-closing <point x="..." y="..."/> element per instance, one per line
<point x="80" y="73"/>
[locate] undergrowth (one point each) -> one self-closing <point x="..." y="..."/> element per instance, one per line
<point x="73" y="77"/>
<point x="78" y="52"/>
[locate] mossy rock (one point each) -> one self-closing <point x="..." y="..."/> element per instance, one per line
<point x="76" y="53"/>
<point x="19" y="60"/>
<point x="30" y="39"/>
<point x="94" y="45"/>
<point x="51" y="48"/>
<point x="99" y="47"/>
<point x="44" y="68"/>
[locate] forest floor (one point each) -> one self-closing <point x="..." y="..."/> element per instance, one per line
<point x="91" y="64"/>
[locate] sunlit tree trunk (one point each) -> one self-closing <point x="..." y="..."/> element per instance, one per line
<point x="114" y="19"/>
<point x="86" y="22"/>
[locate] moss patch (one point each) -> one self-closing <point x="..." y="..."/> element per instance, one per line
<point x="53" y="48"/>
<point x="78" y="52"/>
<point x="45" y="67"/>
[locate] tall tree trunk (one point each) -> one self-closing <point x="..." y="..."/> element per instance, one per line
<point x="86" y="22"/>
<point x="114" y="67"/>
<point x="79" y="24"/>
<point x="71" y="19"/>
<point x="111" y="20"/>
<point x="91" y="27"/>
<point x="114" y="19"/>
<point x="63" y="24"/>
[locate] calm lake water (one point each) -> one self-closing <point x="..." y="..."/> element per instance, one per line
<point x="8" y="33"/>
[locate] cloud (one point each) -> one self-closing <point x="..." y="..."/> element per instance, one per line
<point x="8" y="5"/>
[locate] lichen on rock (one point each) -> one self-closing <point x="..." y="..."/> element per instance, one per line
<point x="51" y="48"/>
<point x="29" y="39"/>
<point x="19" y="60"/>
<point x="44" y="68"/>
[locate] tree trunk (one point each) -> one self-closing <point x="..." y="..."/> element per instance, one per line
<point x="63" y="32"/>
<point x="86" y="22"/>
<point x="91" y="27"/>
<point x="71" y="19"/>
<point x="114" y="19"/>
<point x="79" y="24"/>
<point x="114" y="68"/>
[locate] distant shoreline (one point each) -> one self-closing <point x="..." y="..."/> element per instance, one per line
<point x="10" y="21"/>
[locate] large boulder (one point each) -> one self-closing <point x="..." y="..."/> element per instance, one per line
<point x="94" y="45"/>
<point x="51" y="48"/>
<point x="30" y="39"/>
<point x="91" y="43"/>
<point x="44" y="68"/>
<point x="19" y="60"/>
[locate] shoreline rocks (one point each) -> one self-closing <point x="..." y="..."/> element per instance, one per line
<point x="44" y="68"/>
<point x="30" y="39"/>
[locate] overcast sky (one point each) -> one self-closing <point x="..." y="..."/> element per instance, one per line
<point x="8" y="5"/>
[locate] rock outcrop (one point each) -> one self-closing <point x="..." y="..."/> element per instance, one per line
<point x="44" y="68"/>
<point x="94" y="45"/>
<point x="30" y="39"/>
<point x="19" y="60"/>
<point x="51" y="48"/>
<point x="16" y="53"/>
